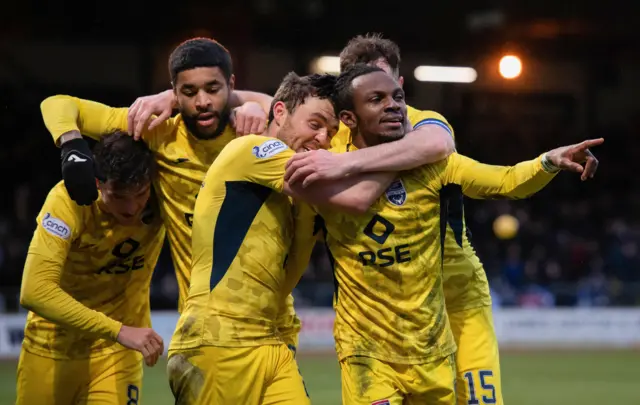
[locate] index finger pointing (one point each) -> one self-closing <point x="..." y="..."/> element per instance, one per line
<point x="590" y="143"/>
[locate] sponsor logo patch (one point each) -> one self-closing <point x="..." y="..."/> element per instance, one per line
<point x="269" y="148"/>
<point x="55" y="226"/>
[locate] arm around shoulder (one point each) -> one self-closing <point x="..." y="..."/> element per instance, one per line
<point x="63" y="114"/>
<point x="353" y="194"/>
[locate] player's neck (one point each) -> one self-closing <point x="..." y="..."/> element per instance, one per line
<point x="274" y="131"/>
<point x="271" y="131"/>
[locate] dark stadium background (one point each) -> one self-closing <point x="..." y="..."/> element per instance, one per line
<point x="578" y="244"/>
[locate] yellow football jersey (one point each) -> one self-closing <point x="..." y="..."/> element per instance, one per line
<point x="242" y="232"/>
<point x="465" y="282"/>
<point x="182" y="163"/>
<point x="87" y="275"/>
<point x="387" y="263"/>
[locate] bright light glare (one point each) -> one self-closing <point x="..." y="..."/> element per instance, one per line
<point x="326" y="64"/>
<point x="448" y="74"/>
<point x="510" y="66"/>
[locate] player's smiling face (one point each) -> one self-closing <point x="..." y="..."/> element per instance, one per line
<point x="379" y="107"/>
<point x="126" y="204"/>
<point x="310" y="127"/>
<point x="202" y="94"/>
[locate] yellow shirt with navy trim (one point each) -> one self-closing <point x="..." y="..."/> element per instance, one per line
<point x="183" y="161"/>
<point x="84" y="277"/>
<point x="387" y="263"/>
<point x="242" y="234"/>
<point x="465" y="281"/>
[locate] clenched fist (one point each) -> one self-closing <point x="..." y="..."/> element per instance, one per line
<point x="144" y="340"/>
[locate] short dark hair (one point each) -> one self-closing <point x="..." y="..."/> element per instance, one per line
<point x="199" y="52"/>
<point x="368" y="49"/>
<point x="294" y="90"/>
<point x="123" y="160"/>
<point x="343" y="94"/>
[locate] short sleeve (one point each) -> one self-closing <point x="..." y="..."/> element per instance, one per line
<point x="420" y="118"/>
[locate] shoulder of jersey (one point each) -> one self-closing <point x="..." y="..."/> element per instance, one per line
<point x="261" y="146"/>
<point x="52" y="224"/>
<point x="419" y="115"/>
<point x="419" y="118"/>
<point x="60" y="192"/>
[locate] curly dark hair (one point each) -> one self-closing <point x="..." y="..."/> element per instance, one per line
<point x="343" y="93"/>
<point x="368" y="49"/>
<point x="123" y="160"/>
<point x="199" y="52"/>
<point x="294" y="90"/>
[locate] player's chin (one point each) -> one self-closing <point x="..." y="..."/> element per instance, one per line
<point x="204" y="131"/>
<point x="207" y="131"/>
<point x="390" y="136"/>
<point x="391" y="130"/>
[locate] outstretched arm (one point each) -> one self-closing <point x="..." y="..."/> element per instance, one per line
<point x="67" y="117"/>
<point x="522" y="180"/>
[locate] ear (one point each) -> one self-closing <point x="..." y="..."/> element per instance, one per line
<point x="99" y="185"/>
<point x="280" y="113"/>
<point x="401" y="81"/>
<point x="349" y="119"/>
<point x="232" y="82"/>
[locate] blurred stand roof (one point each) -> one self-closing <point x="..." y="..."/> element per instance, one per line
<point x="570" y="28"/>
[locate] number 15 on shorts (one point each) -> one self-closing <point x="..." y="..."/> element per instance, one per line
<point x="480" y="386"/>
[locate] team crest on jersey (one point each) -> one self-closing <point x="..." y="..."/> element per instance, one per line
<point x="381" y="402"/>
<point x="55" y="226"/>
<point x="396" y="193"/>
<point x="269" y="148"/>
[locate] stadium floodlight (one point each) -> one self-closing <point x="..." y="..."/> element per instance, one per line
<point x="326" y="64"/>
<point x="510" y="66"/>
<point x="446" y="74"/>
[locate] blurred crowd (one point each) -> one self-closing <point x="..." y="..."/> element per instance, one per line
<point x="578" y="243"/>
